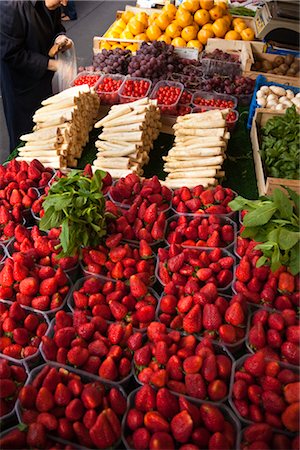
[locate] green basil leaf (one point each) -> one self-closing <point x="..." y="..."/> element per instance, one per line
<point x="260" y="216"/>
<point x="261" y="261"/>
<point x="64" y="235"/>
<point x="49" y="220"/>
<point x="294" y="263"/>
<point x="295" y="197"/>
<point x="283" y="204"/>
<point x="287" y="239"/>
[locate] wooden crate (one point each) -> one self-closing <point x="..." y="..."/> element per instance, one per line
<point x="283" y="79"/>
<point x="265" y="184"/>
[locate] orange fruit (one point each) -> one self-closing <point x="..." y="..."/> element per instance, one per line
<point x="248" y="34"/>
<point x="239" y="27"/>
<point x="189" y="33"/>
<point x="220" y="28"/>
<point x="194" y="43"/>
<point x="178" y="42"/>
<point x="173" y="30"/>
<point x="162" y="21"/>
<point x="165" y="39"/>
<point x="237" y="20"/>
<point x="223" y="5"/>
<point x="127" y="15"/>
<point x="206" y="4"/>
<point x="141" y="37"/>
<point x="191" y="5"/>
<point x="184" y="18"/>
<point x="228" y="19"/>
<point x="207" y="26"/>
<point x="105" y="45"/>
<point x="121" y="23"/>
<point x="153" y="18"/>
<point x="126" y="35"/>
<point x="232" y="35"/>
<point x="135" y="26"/>
<point x="204" y="35"/>
<point x="153" y="32"/>
<point x="216" y="12"/>
<point x="170" y="10"/>
<point x="142" y="17"/>
<point x="194" y="24"/>
<point x="201" y="17"/>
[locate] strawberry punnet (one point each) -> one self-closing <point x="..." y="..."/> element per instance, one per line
<point x="279" y="331"/>
<point x="181" y="265"/>
<point x="260" y="285"/>
<point x="21" y="330"/>
<point x="92" y="345"/>
<point x="131" y="302"/>
<point x="133" y="190"/>
<point x="200" y="200"/>
<point x="159" y="419"/>
<point x="266" y="391"/>
<point x="89" y="417"/>
<point x="12" y="378"/>
<point x="262" y="435"/>
<point x="183" y="364"/>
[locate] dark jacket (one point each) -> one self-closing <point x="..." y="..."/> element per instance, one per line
<point x="27" y="32"/>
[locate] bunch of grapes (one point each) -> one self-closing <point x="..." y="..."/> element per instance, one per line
<point x="153" y="61"/>
<point x="222" y="56"/>
<point x="237" y="85"/>
<point x="112" y="61"/>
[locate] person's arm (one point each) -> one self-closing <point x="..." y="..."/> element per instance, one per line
<point x="12" y="38"/>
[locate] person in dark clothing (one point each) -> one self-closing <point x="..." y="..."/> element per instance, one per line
<point x="69" y="11"/>
<point x="28" y="29"/>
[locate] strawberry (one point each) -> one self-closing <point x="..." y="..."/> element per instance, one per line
<point x="118" y="310"/>
<point x="235" y="314"/>
<point x="107" y="429"/>
<point x="166" y="403"/>
<point x="137" y="287"/>
<point x="74" y="410"/>
<point x="212" y="417"/>
<point x="211" y="317"/>
<point x="255" y="365"/>
<point x="13" y="439"/>
<point x="195" y="386"/>
<point x="154" y="422"/>
<point x="36" y="436"/>
<point x="161" y="441"/>
<point x="44" y="400"/>
<point x="141" y="438"/>
<point x="145" y="399"/>
<point x="77" y="356"/>
<point x="29" y="286"/>
<point x="257" y="337"/>
<point x="108" y="369"/>
<point x="182" y="426"/>
<point x="48" y="420"/>
<point x="192" y="322"/>
<point x="135" y="419"/>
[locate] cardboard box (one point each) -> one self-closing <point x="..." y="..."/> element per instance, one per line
<point x="283" y="79"/>
<point x="265" y="184"/>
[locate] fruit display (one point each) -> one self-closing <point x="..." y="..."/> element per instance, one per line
<point x="198" y="153"/>
<point x="183" y="364"/>
<point x="134" y="88"/>
<point x="189" y="25"/>
<point x="21" y="331"/>
<point x="201" y="231"/>
<point x="116" y="300"/>
<point x="73" y="407"/>
<point x="265" y="390"/>
<point x="237" y="86"/>
<point x="219" y="101"/>
<point x="277" y="330"/>
<point x="277" y="98"/>
<point x="12" y="378"/>
<point x="62" y="126"/>
<point x="181" y="265"/>
<point x="167" y="94"/>
<point x="262" y="435"/>
<point x="112" y="61"/>
<point x="32" y="285"/>
<point x="127" y="136"/>
<point x="200" y="200"/>
<point x="91" y="344"/>
<point x="281" y="65"/>
<point x="159" y="419"/>
<point x="31" y="435"/>
<point x="119" y="261"/>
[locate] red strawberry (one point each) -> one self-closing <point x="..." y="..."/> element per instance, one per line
<point x="77" y="356"/>
<point x="107" y="429"/>
<point x="211" y="317"/>
<point x="212" y="418"/>
<point x="137" y="287"/>
<point x="48" y="420"/>
<point x="182" y="426"/>
<point x="235" y="314"/>
<point x="62" y="395"/>
<point x="161" y="441"/>
<point x="74" y="410"/>
<point x="192" y="322"/>
<point x="13" y="439"/>
<point x="108" y="369"/>
<point x="255" y="364"/>
<point x="257" y="337"/>
<point x="154" y="422"/>
<point x="44" y="400"/>
<point x="195" y="386"/>
<point x="36" y="436"/>
<point x="145" y="399"/>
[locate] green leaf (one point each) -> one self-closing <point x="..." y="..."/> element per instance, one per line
<point x="261" y="261"/>
<point x="49" y="220"/>
<point x="282" y="203"/>
<point x="275" y="259"/>
<point x="273" y="235"/>
<point x="260" y="216"/>
<point x="287" y="239"/>
<point x="265" y="246"/>
<point x="295" y="197"/>
<point x="64" y="235"/>
<point x="295" y="259"/>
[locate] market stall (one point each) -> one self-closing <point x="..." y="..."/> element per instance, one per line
<point x="149" y="296"/>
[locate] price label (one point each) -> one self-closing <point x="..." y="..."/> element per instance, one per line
<point x="187" y="52"/>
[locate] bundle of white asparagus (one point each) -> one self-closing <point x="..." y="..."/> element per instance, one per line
<point x="127" y="136"/>
<point x="62" y="127"/>
<point x="198" y="151"/>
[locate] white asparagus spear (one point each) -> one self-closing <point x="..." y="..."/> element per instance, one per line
<point x="201" y="173"/>
<point x="40" y="135"/>
<point x="41" y="153"/>
<point x="114" y="163"/>
<point x="125" y="120"/>
<point x="112" y="116"/>
<point x="67" y="114"/>
<point x="115" y="173"/>
<point x="71" y="92"/>
<point x="204" y="161"/>
<point x="208" y="132"/>
<point x="189" y="182"/>
<point x="191" y="169"/>
<point x="218" y="123"/>
<point x="59" y="160"/>
<point x="121" y="145"/>
<point x="182" y="152"/>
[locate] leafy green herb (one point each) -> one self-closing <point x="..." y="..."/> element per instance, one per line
<point x="76" y="203"/>
<point x="280" y="150"/>
<point x="274" y="223"/>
